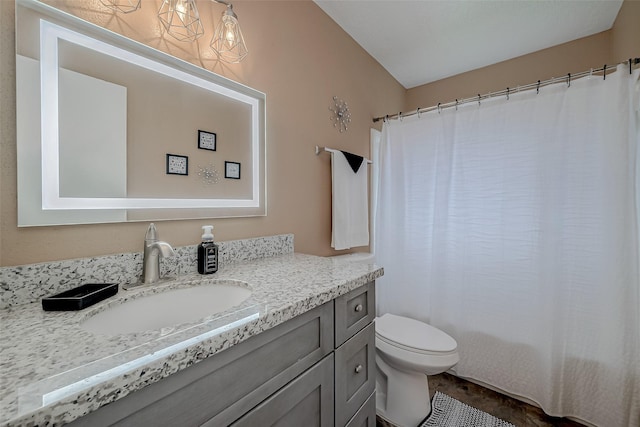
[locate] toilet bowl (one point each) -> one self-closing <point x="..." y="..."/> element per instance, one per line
<point x="408" y="350"/>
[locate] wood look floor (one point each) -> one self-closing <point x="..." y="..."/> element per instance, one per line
<point x="512" y="410"/>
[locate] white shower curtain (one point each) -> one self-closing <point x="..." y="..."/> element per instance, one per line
<point x="513" y="226"/>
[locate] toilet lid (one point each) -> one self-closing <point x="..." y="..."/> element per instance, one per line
<point x="413" y="334"/>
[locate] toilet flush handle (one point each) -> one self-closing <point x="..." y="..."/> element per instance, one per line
<point x="358" y="369"/>
<point x="358" y="308"/>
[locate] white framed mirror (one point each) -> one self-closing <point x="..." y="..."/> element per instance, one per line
<point x="110" y="130"/>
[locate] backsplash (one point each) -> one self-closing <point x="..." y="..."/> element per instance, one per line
<point x="25" y="284"/>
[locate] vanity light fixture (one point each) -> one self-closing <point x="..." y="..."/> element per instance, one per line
<point x="123" y="6"/>
<point x="228" y="42"/>
<point x="181" y="19"/>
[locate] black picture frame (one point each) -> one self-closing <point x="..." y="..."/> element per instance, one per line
<point x="207" y="140"/>
<point x="231" y="170"/>
<point x="177" y="164"/>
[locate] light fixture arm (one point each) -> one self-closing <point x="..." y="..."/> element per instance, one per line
<point x="229" y="10"/>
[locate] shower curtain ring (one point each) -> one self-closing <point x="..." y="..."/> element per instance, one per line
<point x="438" y="108"/>
<point x="538" y="87"/>
<point x="400" y="115"/>
<point x="604" y="72"/>
<point x="478" y="99"/>
<point x="568" y="79"/>
<point x="418" y="112"/>
<point x="456" y="104"/>
<point x="507" y="94"/>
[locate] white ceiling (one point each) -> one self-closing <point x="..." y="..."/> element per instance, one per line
<point x="422" y="41"/>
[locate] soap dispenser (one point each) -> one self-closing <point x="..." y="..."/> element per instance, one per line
<point x="207" y="252"/>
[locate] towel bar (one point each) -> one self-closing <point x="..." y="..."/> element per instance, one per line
<point x="321" y="149"/>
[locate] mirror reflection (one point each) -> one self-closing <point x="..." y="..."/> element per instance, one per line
<point x="127" y="132"/>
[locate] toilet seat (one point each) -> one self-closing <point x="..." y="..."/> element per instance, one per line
<point x="414" y="336"/>
<point x="413" y="349"/>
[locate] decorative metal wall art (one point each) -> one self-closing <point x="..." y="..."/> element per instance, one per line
<point x="209" y="174"/>
<point x="341" y="116"/>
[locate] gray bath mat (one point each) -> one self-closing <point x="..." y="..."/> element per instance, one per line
<point x="449" y="412"/>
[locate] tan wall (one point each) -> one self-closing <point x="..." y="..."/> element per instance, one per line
<point x="625" y="34"/>
<point x="572" y="57"/>
<point x="609" y="47"/>
<point x="298" y="56"/>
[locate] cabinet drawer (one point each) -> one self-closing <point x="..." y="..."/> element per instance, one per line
<point x="355" y="374"/>
<point x="306" y="401"/>
<point x="366" y="415"/>
<point x="225" y="386"/>
<point x="354" y="311"/>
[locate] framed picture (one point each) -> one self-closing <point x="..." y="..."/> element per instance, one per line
<point x="177" y="165"/>
<point x="206" y="140"/>
<point x="232" y="170"/>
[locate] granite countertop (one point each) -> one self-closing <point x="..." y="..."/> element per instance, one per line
<point x="53" y="371"/>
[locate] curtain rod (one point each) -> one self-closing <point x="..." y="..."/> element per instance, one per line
<point x="506" y="92"/>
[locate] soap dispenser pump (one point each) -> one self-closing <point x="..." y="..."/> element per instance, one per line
<point x="207" y="252"/>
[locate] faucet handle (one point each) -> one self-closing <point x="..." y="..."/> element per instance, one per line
<point x="152" y="234"/>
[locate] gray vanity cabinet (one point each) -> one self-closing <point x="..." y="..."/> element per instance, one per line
<point x="355" y="364"/>
<point x="295" y="374"/>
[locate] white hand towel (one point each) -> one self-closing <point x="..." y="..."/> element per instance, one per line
<point x="350" y="208"/>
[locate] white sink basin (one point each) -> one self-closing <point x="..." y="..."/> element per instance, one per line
<point x="168" y="308"/>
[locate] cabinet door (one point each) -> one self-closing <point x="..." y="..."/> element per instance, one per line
<point x="355" y="373"/>
<point x="354" y="310"/>
<point x="366" y="415"/>
<point x="307" y="401"/>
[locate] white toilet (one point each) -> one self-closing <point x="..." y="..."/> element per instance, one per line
<point x="408" y="350"/>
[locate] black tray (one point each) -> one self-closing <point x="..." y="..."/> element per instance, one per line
<point x="81" y="297"/>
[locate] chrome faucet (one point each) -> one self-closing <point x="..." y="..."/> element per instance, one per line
<point x="153" y="249"/>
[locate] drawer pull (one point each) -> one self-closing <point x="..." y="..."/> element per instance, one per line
<point x="358" y="308"/>
<point x="358" y="369"/>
